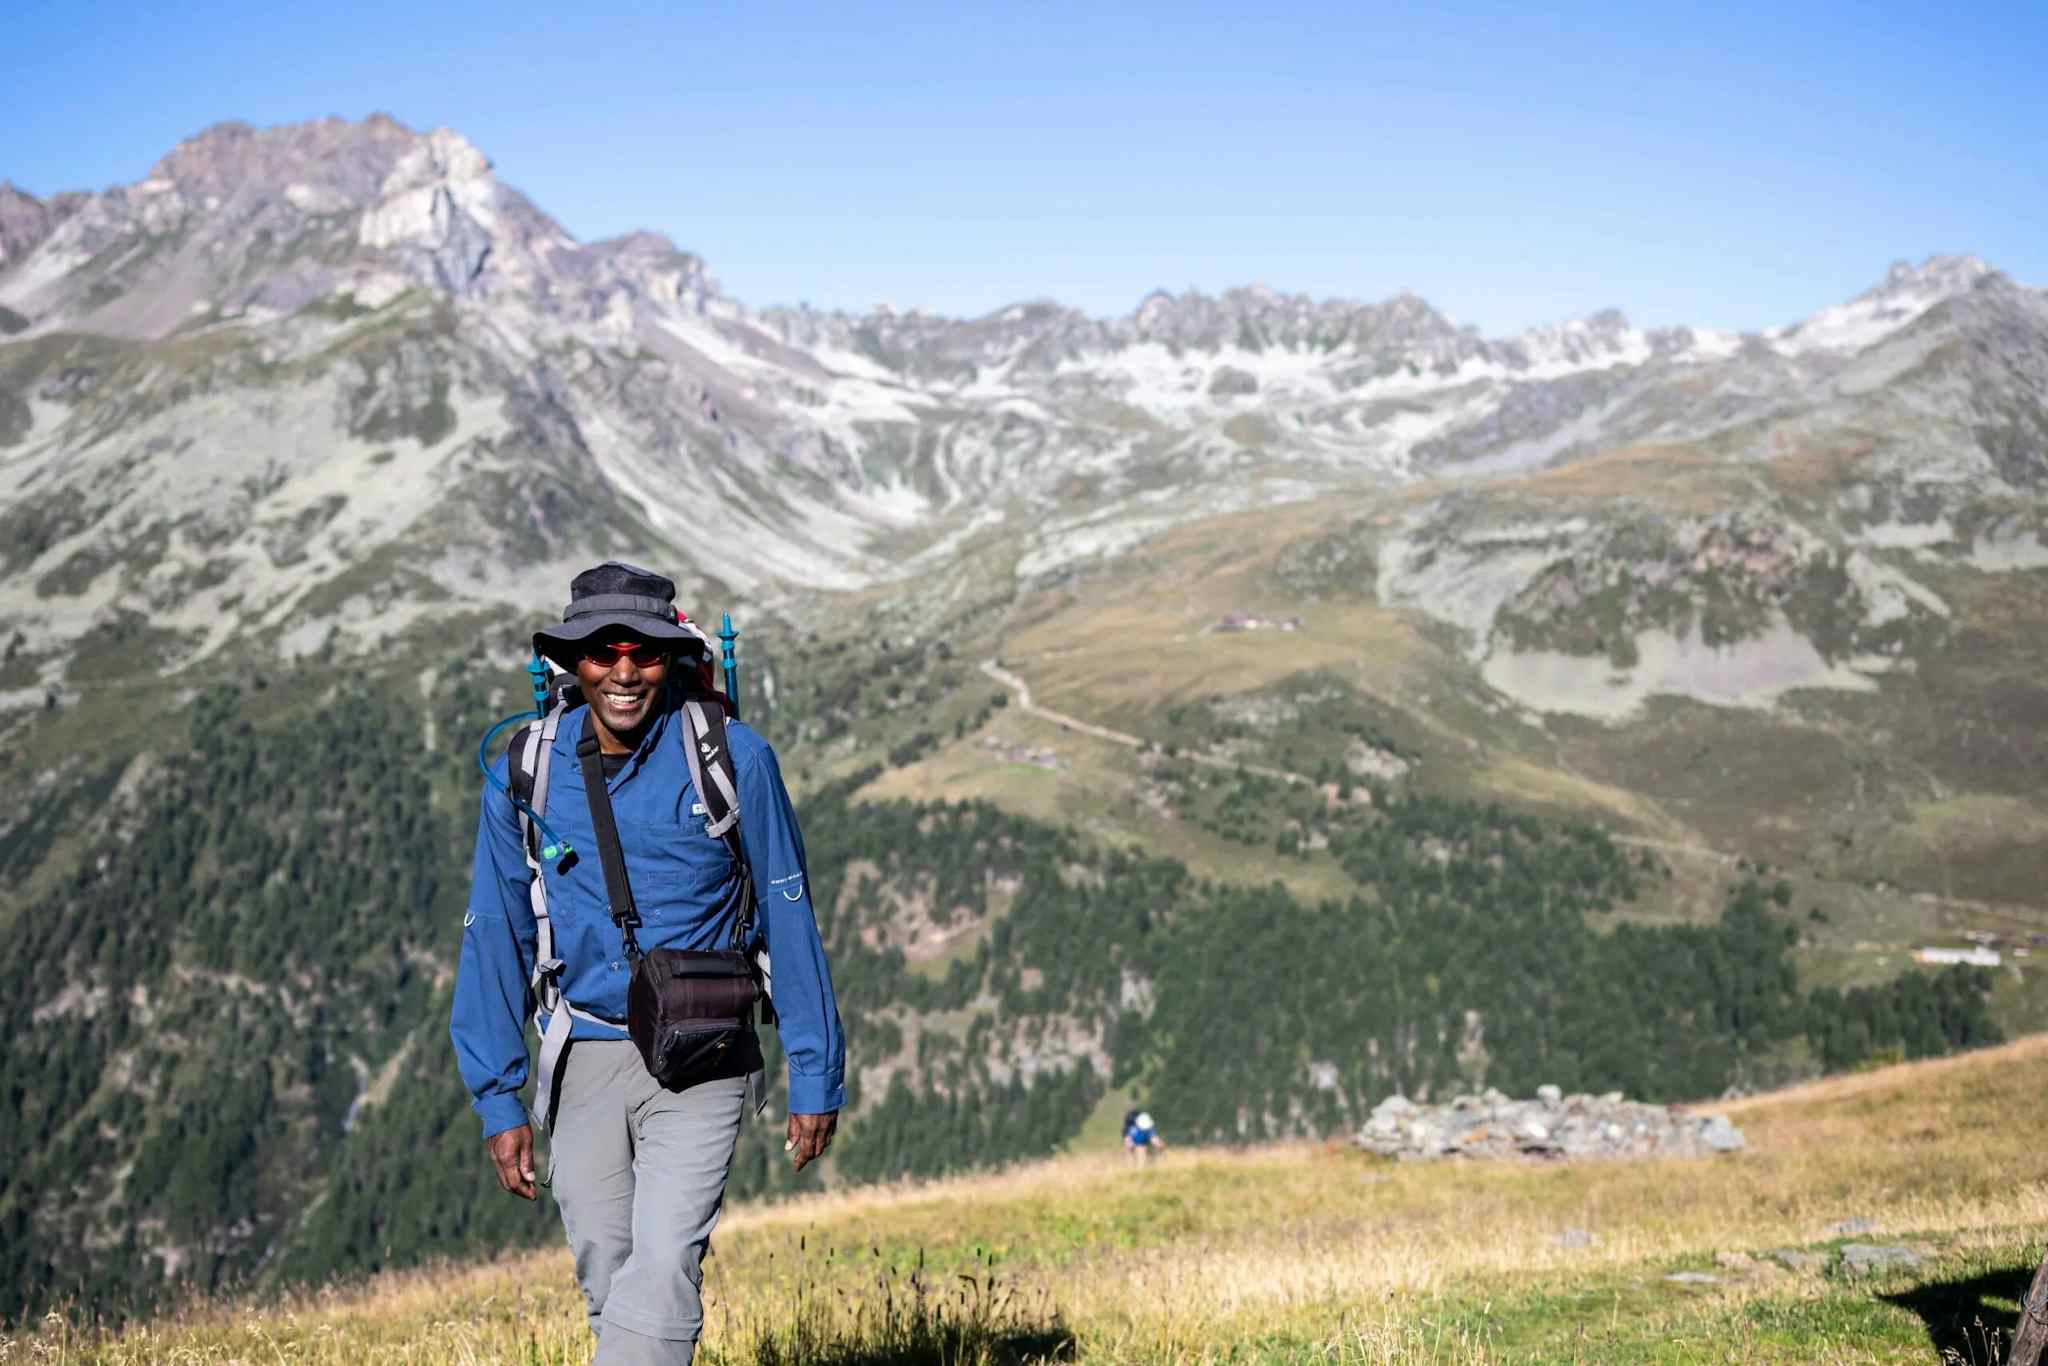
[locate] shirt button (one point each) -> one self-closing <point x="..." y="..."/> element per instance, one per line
<point x="615" y="965"/>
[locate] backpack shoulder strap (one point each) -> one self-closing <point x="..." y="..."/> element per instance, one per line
<point x="527" y="762"/>
<point x="706" y="748"/>
<point x="521" y="758"/>
<point x="710" y="758"/>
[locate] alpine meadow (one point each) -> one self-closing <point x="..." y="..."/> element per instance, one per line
<point x="1251" y="708"/>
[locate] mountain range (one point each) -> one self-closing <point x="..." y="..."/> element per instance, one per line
<point x="290" y="352"/>
<point x="1087" y="643"/>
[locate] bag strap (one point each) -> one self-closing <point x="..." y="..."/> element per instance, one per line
<point x="709" y="756"/>
<point x="619" y="892"/>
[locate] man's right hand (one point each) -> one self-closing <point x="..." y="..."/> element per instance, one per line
<point x="512" y="1155"/>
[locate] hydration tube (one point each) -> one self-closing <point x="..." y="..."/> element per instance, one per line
<point x="537" y="673"/>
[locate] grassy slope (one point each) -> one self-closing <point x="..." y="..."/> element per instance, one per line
<point x="1295" y="1252"/>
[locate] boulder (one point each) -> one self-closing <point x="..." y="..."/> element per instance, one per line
<point x="1717" y="1133"/>
<point x="1792" y="1259"/>
<point x="1871" y="1259"/>
<point x="1490" y="1124"/>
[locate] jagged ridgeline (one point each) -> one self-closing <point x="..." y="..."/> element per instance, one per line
<point x="227" y="987"/>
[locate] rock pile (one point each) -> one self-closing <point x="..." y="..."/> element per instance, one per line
<point x="1552" y="1125"/>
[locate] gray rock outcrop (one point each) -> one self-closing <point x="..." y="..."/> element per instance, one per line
<point x="1875" y="1259"/>
<point x="1552" y="1125"/>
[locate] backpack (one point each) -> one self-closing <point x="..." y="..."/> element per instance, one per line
<point x="702" y="716"/>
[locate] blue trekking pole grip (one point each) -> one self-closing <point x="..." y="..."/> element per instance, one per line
<point x="727" y="635"/>
<point x="537" y="676"/>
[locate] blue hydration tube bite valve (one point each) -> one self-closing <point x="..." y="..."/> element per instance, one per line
<point x="537" y="672"/>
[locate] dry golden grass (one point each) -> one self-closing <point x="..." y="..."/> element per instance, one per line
<point x="1684" y="480"/>
<point x="1520" y="782"/>
<point x="1800" y="465"/>
<point x="1135" y="638"/>
<point x="1286" y="1252"/>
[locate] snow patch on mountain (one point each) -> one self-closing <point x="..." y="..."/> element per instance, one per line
<point x="1707" y="344"/>
<point x="1904" y="535"/>
<point x="1907" y="292"/>
<point x="1751" y="673"/>
<point x="2009" y="554"/>
<point x="1098" y="537"/>
<point x="1889" y="594"/>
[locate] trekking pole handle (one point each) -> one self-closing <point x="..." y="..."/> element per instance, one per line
<point x="537" y="675"/>
<point x="728" y="635"/>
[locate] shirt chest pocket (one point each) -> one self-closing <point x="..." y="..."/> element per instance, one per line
<point x="672" y="862"/>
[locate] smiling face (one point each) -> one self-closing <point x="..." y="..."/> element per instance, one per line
<point x="621" y="678"/>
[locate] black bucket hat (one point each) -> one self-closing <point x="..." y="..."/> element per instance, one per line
<point x="623" y="598"/>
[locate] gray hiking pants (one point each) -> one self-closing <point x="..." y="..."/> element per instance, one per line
<point x="639" y="1173"/>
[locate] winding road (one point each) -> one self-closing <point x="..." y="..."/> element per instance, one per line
<point x="994" y="669"/>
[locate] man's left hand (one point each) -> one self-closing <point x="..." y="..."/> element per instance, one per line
<point x="809" y="1136"/>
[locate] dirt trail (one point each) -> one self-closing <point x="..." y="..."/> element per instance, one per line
<point x="995" y="670"/>
<point x="1674" y="847"/>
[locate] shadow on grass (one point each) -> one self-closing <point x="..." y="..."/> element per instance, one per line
<point x="1016" y="1347"/>
<point x="1970" y="1320"/>
<point x="923" y="1319"/>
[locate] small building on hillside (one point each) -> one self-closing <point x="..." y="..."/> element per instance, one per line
<point x="1245" y="621"/>
<point x="1973" y="957"/>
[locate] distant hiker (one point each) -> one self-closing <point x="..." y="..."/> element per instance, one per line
<point x="1141" y="1136"/>
<point x="659" y="898"/>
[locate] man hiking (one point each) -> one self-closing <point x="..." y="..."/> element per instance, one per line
<point x="1141" y="1136"/>
<point x="638" y="1168"/>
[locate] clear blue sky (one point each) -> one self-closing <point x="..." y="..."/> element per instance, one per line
<point x="1735" y="165"/>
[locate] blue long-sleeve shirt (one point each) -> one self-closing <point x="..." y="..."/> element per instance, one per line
<point x="687" y="888"/>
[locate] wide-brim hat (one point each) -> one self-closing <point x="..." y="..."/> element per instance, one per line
<point x="623" y="599"/>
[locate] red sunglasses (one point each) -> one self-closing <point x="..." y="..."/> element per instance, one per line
<point x="643" y="654"/>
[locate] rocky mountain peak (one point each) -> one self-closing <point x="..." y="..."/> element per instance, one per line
<point x="237" y="218"/>
<point x="442" y="156"/>
<point x="349" y="160"/>
<point x="1256" y="317"/>
<point x="1940" y="274"/>
<point x="1906" y="292"/>
<point x="1604" y="334"/>
<point x="26" y="221"/>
